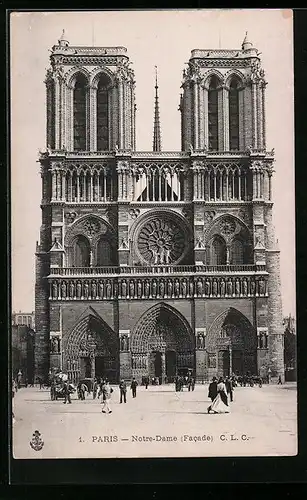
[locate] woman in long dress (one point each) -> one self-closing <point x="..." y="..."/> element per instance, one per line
<point x="220" y="403"/>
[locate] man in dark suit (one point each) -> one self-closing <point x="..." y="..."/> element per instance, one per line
<point x="133" y="386"/>
<point x="123" y="391"/>
<point x="229" y="388"/>
<point x="212" y="389"/>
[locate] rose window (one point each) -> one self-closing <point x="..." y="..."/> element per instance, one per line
<point x="161" y="241"/>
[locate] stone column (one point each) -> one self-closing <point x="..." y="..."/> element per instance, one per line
<point x="196" y="113"/>
<point x="93" y="118"/>
<point x="259" y="117"/>
<point x="263" y="116"/>
<point x="206" y="123"/>
<point x="225" y="108"/>
<point x="163" y="366"/>
<point x="254" y="115"/>
<point x="57" y="113"/>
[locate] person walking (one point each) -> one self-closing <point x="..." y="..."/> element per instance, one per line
<point x="220" y="404"/>
<point x="279" y="380"/>
<point x="66" y="391"/>
<point x="212" y="392"/>
<point x="133" y="386"/>
<point x="123" y="391"/>
<point x="106" y="397"/>
<point x="146" y="382"/>
<point x="229" y="388"/>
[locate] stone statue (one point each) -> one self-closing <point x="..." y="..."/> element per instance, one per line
<point x="94" y="289"/>
<point x="162" y="288"/>
<point x="147" y="289"/>
<point x="131" y="289"/>
<point x="154" y="288"/>
<point x="155" y="256"/>
<point x="108" y="289"/>
<point x="261" y="287"/>
<point x="229" y="287"/>
<point x="201" y="341"/>
<point x="85" y="288"/>
<point x="101" y="289"/>
<point x="139" y="289"/>
<point x="252" y="288"/>
<point x="55" y="290"/>
<point x="167" y="256"/>
<point x="124" y="289"/>
<point x="244" y="287"/>
<point x="162" y="254"/>
<point x="199" y="288"/>
<point x="63" y="290"/>
<point x="53" y="345"/>
<point x="214" y="288"/>
<point x="177" y="288"/>
<point x="207" y="285"/>
<point x="79" y="290"/>
<point x="184" y="288"/>
<point x="71" y="290"/>
<point x="222" y="288"/>
<point x="170" y="288"/>
<point x="124" y="343"/>
<point x="191" y="288"/>
<point x="238" y="291"/>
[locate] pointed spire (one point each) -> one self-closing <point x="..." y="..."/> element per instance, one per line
<point x="63" y="42"/>
<point x="157" y="131"/>
<point x="246" y="44"/>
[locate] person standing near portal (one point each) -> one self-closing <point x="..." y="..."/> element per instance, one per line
<point x="123" y="391"/>
<point x="212" y="393"/>
<point x="133" y="386"/>
<point x="66" y="392"/>
<point x="229" y="388"/>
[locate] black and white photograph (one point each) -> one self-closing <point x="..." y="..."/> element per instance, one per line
<point x="153" y="234"/>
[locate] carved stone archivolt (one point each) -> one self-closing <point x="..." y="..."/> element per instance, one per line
<point x="158" y="288"/>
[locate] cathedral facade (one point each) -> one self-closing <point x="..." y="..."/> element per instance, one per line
<point x="153" y="263"/>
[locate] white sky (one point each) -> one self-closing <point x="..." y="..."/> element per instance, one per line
<point x="162" y="38"/>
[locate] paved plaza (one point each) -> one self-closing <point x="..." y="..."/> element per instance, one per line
<point x="159" y="422"/>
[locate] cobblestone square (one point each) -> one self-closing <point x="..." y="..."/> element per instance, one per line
<point x="159" y="422"/>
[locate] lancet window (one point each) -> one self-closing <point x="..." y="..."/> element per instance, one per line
<point x="213" y="114"/>
<point x="103" y="113"/>
<point x="79" y="114"/>
<point x="81" y="252"/>
<point x="234" y="115"/>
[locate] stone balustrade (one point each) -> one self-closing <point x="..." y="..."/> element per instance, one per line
<point x="156" y="269"/>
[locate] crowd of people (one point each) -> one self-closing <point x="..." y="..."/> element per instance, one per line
<point x="220" y="390"/>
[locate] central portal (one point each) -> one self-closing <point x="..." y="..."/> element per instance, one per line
<point x="162" y="344"/>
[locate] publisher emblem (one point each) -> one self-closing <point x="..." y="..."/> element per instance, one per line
<point x="36" y="442"/>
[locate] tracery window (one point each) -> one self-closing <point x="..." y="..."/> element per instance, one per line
<point x="103" y="114"/>
<point x="213" y="114"/>
<point x="81" y="252"/>
<point x="104" y="253"/>
<point x="237" y="252"/>
<point x="218" y="251"/>
<point x="79" y="102"/>
<point x="234" y="115"/>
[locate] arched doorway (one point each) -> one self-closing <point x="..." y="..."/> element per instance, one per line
<point x="91" y="350"/>
<point x="162" y="344"/>
<point x="231" y="344"/>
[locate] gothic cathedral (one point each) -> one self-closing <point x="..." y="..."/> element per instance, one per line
<point x="153" y="263"/>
